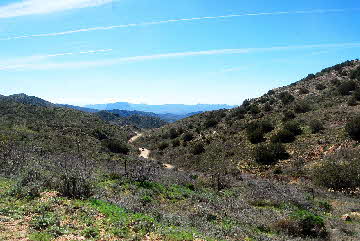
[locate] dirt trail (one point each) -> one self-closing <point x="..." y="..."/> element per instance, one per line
<point x="145" y="153"/>
<point x="134" y="138"/>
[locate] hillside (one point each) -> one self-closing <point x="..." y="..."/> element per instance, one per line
<point x="318" y="107"/>
<point x="127" y="118"/>
<point x="69" y="175"/>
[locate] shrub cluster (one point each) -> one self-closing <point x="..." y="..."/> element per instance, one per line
<point x="356" y="74"/>
<point x="302" y="107"/>
<point x="353" y="128"/>
<point x="270" y="154"/>
<point x="116" y="146"/>
<point x="256" y="130"/>
<point x="316" y="126"/>
<point x="197" y="149"/>
<point x="346" y="87"/>
<point x="303" y="223"/>
<point x="287" y="134"/>
<point x="320" y="87"/>
<point x="340" y="171"/>
<point x="303" y="91"/>
<point x="286" y="98"/>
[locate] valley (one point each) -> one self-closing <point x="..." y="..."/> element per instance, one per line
<point x="284" y="166"/>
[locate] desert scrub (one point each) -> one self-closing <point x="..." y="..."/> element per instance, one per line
<point x="340" y="171"/>
<point x="303" y="223"/>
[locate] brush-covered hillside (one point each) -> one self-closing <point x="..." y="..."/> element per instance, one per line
<point x="290" y="128"/>
<point x="69" y="175"/>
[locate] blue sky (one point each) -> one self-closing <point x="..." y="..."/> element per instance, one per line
<point x="179" y="51"/>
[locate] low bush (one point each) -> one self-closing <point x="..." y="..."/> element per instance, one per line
<point x="356" y="74"/>
<point x="173" y="133"/>
<point x="303" y="91"/>
<point x="198" y="149"/>
<point x="210" y="123"/>
<point x="288" y="115"/>
<point x="346" y="87"/>
<point x="286" y="98"/>
<point x="283" y="136"/>
<point x="175" y="142"/>
<point x="116" y="146"/>
<point x="302" y="107"/>
<point x="256" y="130"/>
<point x="267" y="107"/>
<point x="188" y="137"/>
<point x="270" y="154"/>
<point x="340" y="171"/>
<point x="353" y="128"/>
<point x="320" y="87"/>
<point x="293" y="127"/>
<point x="303" y="223"/>
<point x="352" y="102"/>
<point x="356" y="94"/>
<point x="316" y="126"/>
<point x="163" y="145"/>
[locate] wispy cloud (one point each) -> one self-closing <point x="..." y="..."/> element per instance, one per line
<point x="318" y="11"/>
<point x="19" y="63"/>
<point x="31" y="7"/>
<point x="29" y="65"/>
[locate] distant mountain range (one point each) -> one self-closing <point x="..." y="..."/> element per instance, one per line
<point x="177" y="109"/>
<point x="140" y="115"/>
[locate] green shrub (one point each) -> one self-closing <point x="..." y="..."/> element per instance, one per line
<point x="267" y="107"/>
<point x="173" y="133"/>
<point x="254" y="109"/>
<point x="283" y="136"/>
<point x="340" y="171"/>
<point x="209" y="123"/>
<point x="76" y="186"/>
<point x="256" y="136"/>
<point x="303" y="91"/>
<point x="188" y="137"/>
<point x="175" y="143"/>
<point x="91" y="232"/>
<point x="356" y="94"/>
<point x="198" y="149"/>
<point x="270" y="154"/>
<point x="346" y="87"/>
<point x="356" y="74"/>
<point x="320" y="87"/>
<point x="293" y="127"/>
<point x="163" y="145"/>
<point x="116" y="146"/>
<point x="256" y="130"/>
<point x="352" y="102"/>
<point x="316" y="126"/>
<point x="288" y="115"/>
<point x="353" y="128"/>
<point x="302" y="107"/>
<point x="303" y="223"/>
<point x="44" y="221"/>
<point x="286" y="98"/>
<point x="335" y="82"/>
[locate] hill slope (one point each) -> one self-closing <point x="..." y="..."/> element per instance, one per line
<point x="211" y="140"/>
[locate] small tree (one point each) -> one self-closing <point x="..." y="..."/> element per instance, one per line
<point x="346" y="87"/>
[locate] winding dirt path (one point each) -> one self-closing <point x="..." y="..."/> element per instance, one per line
<point x="145" y="153"/>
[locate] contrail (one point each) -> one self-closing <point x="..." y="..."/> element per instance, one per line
<point x="318" y="11"/>
<point x="14" y="63"/>
<point x="28" y="64"/>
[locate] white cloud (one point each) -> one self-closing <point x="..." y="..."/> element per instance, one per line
<point x="24" y="61"/>
<point x="319" y="11"/>
<point x="31" y="7"/>
<point x="27" y="65"/>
